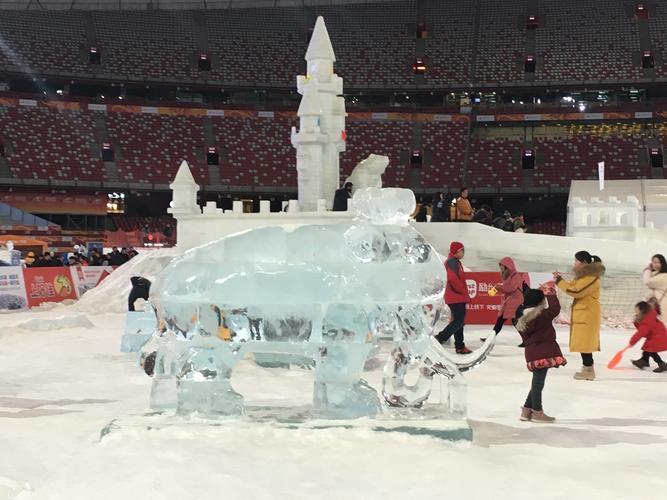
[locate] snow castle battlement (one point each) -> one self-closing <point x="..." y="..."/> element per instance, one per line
<point x="619" y="211"/>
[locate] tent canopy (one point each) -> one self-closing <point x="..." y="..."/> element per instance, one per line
<point x="23" y="243"/>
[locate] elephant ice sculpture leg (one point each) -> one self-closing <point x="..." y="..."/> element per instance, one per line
<point x="204" y="384"/>
<point x="168" y="348"/>
<point x="339" y="391"/>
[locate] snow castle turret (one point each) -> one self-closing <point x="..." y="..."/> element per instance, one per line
<point x="184" y="191"/>
<point x="321" y="135"/>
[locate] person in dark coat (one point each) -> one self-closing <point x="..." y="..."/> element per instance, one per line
<point x="141" y="287"/>
<point x="421" y="215"/>
<point x="116" y="258"/>
<point x="506" y="223"/>
<point x="483" y="216"/>
<point x="456" y="298"/>
<point x="341" y="196"/>
<point x="440" y="212"/>
<point x="542" y="352"/>
<point x="649" y="327"/>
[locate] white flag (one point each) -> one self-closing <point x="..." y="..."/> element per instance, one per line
<point x="601" y="174"/>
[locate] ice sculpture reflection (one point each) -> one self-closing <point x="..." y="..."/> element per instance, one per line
<point x="324" y="293"/>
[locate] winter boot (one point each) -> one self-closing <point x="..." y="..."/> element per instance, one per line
<point x="463" y="350"/>
<point x="541" y="417"/>
<point x="526" y="413"/>
<point x="662" y="367"/>
<point x="640" y="363"/>
<point x="586" y="373"/>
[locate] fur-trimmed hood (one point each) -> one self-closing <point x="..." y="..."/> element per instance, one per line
<point x="529" y="315"/>
<point x="596" y="269"/>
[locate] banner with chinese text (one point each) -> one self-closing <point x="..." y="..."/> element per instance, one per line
<point x="12" y="288"/>
<point x="483" y="308"/>
<point x="49" y="284"/>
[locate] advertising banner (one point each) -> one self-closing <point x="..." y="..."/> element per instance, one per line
<point x="49" y="284"/>
<point x="88" y="277"/>
<point x="12" y="288"/>
<point x="483" y="308"/>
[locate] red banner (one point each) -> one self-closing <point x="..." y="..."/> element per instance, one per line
<point x="483" y="308"/>
<point x="49" y="284"/>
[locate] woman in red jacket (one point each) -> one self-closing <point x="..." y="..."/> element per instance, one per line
<point x="542" y="352"/>
<point x="654" y="331"/>
<point x="456" y="298"/>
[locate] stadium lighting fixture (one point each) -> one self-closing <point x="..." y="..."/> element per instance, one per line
<point x="582" y="106"/>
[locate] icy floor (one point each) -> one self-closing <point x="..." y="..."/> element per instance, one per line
<point x="59" y="387"/>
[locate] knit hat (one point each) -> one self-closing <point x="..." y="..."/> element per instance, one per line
<point x="533" y="297"/>
<point x="455" y="246"/>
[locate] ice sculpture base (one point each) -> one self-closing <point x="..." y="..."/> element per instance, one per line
<point x="139" y="327"/>
<point x="212" y="397"/>
<point x="431" y="420"/>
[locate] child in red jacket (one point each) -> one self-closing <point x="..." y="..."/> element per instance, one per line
<point x="653" y="330"/>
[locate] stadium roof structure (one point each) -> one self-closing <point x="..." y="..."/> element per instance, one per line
<point x="144" y="5"/>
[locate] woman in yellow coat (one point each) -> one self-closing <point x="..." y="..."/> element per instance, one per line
<point x="586" y="315"/>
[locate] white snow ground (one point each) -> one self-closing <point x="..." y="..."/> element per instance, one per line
<point x="59" y="388"/>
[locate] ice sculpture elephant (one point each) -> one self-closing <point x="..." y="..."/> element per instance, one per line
<point x="326" y="292"/>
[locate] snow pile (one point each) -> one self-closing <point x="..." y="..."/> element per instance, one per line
<point x="10" y="489"/>
<point x="111" y="294"/>
<point x="58" y="323"/>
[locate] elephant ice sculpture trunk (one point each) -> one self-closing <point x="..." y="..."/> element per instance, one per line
<point x="322" y="293"/>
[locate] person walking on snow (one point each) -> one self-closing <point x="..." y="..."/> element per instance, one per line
<point x="649" y="327"/>
<point x="655" y="278"/>
<point x="586" y="315"/>
<point x="511" y="289"/>
<point x="456" y="298"/>
<point x="535" y="324"/>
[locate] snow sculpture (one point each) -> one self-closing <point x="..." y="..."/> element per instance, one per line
<point x="368" y="172"/>
<point x="321" y="134"/>
<point x="323" y="292"/>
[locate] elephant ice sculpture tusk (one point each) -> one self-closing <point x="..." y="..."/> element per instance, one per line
<point x="466" y="362"/>
<point x="435" y="359"/>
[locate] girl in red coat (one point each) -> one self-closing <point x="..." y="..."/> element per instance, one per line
<point x="653" y="330"/>
<point x="456" y="298"/>
<point x="535" y="324"/>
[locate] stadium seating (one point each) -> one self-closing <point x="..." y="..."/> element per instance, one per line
<point x="375" y="44"/>
<point x="257" y="45"/>
<point x="255" y="152"/>
<point x="447" y="143"/>
<point x="449" y="47"/>
<point x="50" y="144"/>
<point x="556" y="228"/>
<point x="501" y="44"/>
<point x="153" y="45"/>
<point x="591" y="41"/>
<point x="568" y="158"/>
<point x="372" y="42"/>
<point x="151" y="147"/>
<point x="49" y="42"/>
<point x="494" y="162"/>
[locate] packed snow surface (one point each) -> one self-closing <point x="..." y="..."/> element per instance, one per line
<point x="59" y="388"/>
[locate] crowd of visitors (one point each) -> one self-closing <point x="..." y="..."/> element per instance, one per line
<point x="78" y="258"/>
<point x="460" y="209"/>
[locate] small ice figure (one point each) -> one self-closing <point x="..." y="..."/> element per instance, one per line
<point x="321" y="292"/>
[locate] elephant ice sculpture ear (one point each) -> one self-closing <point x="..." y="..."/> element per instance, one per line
<point x="384" y="205"/>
